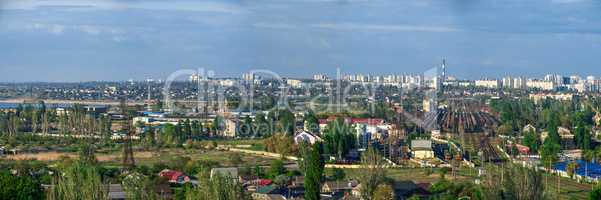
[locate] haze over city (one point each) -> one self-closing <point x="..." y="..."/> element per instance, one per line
<point x="84" y="40"/>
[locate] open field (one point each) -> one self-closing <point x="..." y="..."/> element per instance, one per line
<point x="223" y="158"/>
<point x="569" y="188"/>
<point x="419" y="175"/>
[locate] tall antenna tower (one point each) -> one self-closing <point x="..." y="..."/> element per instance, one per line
<point x="128" y="153"/>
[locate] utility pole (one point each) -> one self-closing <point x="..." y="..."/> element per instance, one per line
<point x="128" y="154"/>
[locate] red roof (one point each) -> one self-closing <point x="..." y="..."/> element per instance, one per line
<point x="265" y="182"/>
<point x="172" y="175"/>
<point x="259" y="182"/>
<point x="521" y="148"/>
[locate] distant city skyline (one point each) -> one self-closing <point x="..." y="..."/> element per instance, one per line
<point x="85" y="40"/>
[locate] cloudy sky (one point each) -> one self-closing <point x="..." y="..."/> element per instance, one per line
<point x="80" y="40"/>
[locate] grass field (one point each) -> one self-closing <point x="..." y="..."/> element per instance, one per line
<point x="570" y="189"/>
<point x="223" y="158"/>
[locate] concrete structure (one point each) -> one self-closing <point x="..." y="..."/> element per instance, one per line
<point x="231" y="128"/>
<point x="320" y="77"/>
<point x="539" y="84"/>
<point x="295" y="83"/>
<point x="422" y="149"/>
<point x="487" y="83"/>
<point x="430" y="105"/>
<point x="560" y="97"/>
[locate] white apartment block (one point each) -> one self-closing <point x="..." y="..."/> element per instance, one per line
<point x="540" y="84"/>
<point x="487" y="83"/>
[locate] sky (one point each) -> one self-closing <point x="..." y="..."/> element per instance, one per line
<point x="89" y="40"/>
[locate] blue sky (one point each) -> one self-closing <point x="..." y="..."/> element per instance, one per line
<point x="82" y="40"/>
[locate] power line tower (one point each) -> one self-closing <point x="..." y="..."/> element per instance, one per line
<point x="128" y="153"/>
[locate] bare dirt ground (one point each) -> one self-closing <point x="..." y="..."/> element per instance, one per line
<point x="53" y="156"/>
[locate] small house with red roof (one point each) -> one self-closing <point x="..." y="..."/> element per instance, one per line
<point x="174" y="176"/>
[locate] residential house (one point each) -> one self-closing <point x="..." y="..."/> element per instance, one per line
<point x="375" y="127"/>
<point x="529" y="128"/>
<point x="259" y="196"/>
<point x="305" y="136"/>
<point x="564" y="132"/>
<point x="338" y="186"/>
<point x="524" y="150"/>
<point x="174" y="176"/>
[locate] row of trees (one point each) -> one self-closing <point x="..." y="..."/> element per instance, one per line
<point x="372" y="175"/>
<point x="515" y="114"/>
<point x="339" y="138"/>
<point x="38" y="118"/>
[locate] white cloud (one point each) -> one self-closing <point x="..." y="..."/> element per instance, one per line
<point x="274" y="25"/>
<point x="194" y="6"/>
<point x="55" y="29"/>
<point x="59" y="29"/>
<point x="383" y="27"/>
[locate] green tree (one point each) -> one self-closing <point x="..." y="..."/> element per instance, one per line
<point x="338" y="174"/>
<point x="87" y="153"/>
<point x="531" y="141"/>
<point x="372" y="173"/>
<point x="196" y="127"/>
<point x="138" y="186"/>
<point x="339" y="138"/>
<point x="549" y="153"/>
<point x="314" y="173"/>
<point x="19" y="187"/>
<point x="311" y="122"/>
<point x="187" y="129"/>
<point x="276" y="168"/>
<point x="263" y="127"/>
<point x="246" y="128"/>
<point x="383" y="192"/>
<point x="217" y="187"/>
<point x="595" y="194"/>
<point x="518" y="183"/>
<point x="78" y="181"/>
<point x="218" y="125"/>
